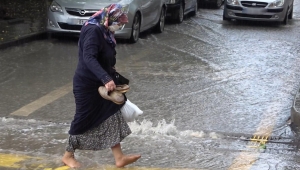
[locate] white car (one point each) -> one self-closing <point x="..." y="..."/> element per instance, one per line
<point x="67" y="16"/>
<point x="259" y="10"/>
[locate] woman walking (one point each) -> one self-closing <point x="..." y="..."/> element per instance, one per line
<point x="98" y="123"/>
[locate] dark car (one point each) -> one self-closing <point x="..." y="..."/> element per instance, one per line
<point x="214" y="3"/>
<point x="177" y="9"/>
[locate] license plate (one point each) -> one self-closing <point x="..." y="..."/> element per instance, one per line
<point x="256" y="11"/>
<point x="81" y="21"/>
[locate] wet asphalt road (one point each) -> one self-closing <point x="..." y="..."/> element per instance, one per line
<point x="197" y="83"/>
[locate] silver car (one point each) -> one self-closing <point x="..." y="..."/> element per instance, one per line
<point x="67" y="16"/>
<point x="259" y="10"/>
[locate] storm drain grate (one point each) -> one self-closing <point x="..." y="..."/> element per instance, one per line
<point x="267" y="139"/>
<point x="258" y="141"/>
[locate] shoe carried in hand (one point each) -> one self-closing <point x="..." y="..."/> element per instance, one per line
<point x="122" y="88"/>
<point x="114" y="96"/>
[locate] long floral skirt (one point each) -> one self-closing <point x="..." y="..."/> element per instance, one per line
<point x="109" y="133"/>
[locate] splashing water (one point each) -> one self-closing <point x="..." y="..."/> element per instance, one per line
<point x="166" y="129"/>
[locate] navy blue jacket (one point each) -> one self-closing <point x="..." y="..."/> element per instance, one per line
<point x="95" y="68"/>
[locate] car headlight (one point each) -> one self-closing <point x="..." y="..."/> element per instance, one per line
<point x="276" y="3"/>
<point x="55" y="7"/>
<point x="233" y="2"/>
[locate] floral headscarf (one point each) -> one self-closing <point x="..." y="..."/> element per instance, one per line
<point x="105" y="17"/>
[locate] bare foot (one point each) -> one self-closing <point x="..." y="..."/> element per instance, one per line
<point x="70" y="161"/>
<point x="126" y="159"/>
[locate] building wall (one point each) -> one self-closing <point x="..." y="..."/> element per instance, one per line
<point x="33" y="9"/>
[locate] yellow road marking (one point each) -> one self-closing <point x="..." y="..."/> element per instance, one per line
<point x="43" y="101"/>
<point x="246" y="159"/>
<point x="60" y="168"/>
<point x="15" y="161"/>
<point x="11" y="161"/>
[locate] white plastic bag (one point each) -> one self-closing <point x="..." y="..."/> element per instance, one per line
<point x="130" y="111"/>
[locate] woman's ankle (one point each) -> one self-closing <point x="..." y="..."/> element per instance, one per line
<point x="126" y="160"/>
<point x="69" y="160"/>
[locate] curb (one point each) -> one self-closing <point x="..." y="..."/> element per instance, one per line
<point x="24" y="39"/>
<point x="295" y="111"/>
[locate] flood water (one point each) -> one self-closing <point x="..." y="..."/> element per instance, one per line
<point x="205" y="86"/>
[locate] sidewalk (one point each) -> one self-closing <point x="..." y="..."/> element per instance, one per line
<point x="24" y="20"/>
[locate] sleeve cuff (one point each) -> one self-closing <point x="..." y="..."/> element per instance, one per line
<point x="105" y="79"/>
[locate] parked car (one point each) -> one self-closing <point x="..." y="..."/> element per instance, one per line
<point x="215" y="3"/>
<point x="259" y="10"/>
<point x="68" y="16"/>
<point x="177" y="9"/>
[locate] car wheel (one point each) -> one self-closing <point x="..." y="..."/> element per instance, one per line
<point x="135" y="32"/>
<point x="180" y="14"/>
<point x="291" y="14"/>
<point x="286" y="19"/>
<point x="224" y="16"/>
<point x="226" y="19"/>
<point x="195" y="9"/>
<point x="218" y="4"/>
<point x="160" y="26"/>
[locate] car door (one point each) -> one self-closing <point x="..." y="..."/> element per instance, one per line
<point x="149" y="10"/>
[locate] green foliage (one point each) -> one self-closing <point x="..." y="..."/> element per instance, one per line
<point x="262" y="146"/>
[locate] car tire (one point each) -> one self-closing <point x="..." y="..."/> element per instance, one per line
<point x="218" y="4"/>
<point x="160" y="26"/>
<point x="195" y="9"/>
<point x="286" y="18"/>
<point x="291" y="14"/>
<point x="180" y="14"/>
<point x="135" y="32"/>
<point x="224" y="17"/>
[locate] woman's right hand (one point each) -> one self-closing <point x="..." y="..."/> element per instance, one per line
<point x="110" y="86"/>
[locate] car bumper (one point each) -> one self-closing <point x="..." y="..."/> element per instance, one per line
<point x="60" y="23"/>
<point x="255" y="14"/>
